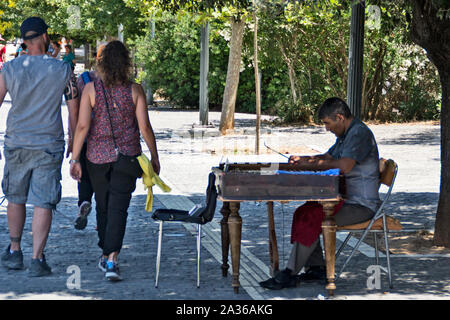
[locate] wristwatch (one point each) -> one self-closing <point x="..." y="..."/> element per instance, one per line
<point x="73" y="161"/>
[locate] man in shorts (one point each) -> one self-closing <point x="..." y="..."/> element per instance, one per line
<point x="34" y="141"/>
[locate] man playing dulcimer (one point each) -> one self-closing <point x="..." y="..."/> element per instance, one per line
<point x="355" y="154"/>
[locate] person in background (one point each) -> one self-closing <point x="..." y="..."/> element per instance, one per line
<point x="54" y="50"/>
<point x="2" y="52"/>
<point x="21" y="50"/>
<point x="85" y="190"/>
<point x="69" y="57"/>
<point x="120" y="116"/>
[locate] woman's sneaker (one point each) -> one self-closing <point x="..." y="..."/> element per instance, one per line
<point x="112" y="271"/>
<point x="12" y="260"/>
<point x="83" y="212"/>
<point x="102" y="263"/>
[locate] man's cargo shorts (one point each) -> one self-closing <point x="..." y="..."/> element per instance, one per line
<point x="33" y="177"/>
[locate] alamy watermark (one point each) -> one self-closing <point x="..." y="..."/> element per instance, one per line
<point x="74" y="280"/>
<point x="374" y="17"/>
<point x="73" y="21"/>
<point x="374" y="279"/>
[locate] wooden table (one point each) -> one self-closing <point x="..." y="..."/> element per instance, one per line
<point x="240" y="182"/>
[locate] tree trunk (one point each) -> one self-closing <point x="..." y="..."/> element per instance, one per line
<point x="442" y="224"/>
<point x="291" y="71"/>
<point x="433" y="34"/>
<point x="232" y="82"/>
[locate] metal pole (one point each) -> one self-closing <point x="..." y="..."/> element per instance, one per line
<point x="355" y="67"/>
<point x="204" y="67"/>
<point x="257" y="85"/>
<point x="148" y="86"/>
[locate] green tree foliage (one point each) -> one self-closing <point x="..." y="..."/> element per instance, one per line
<point x="170" y="62"/>
<point x="303" y="51"/>
<point x="308" y="46"/>
<point x="400" y="83"/>
<point x="8" y="15"/>
<point x="303" y="55"/>
<point x="97" y="19"/>
<point x="304" y="46"/>
<point x="192" y="6"/>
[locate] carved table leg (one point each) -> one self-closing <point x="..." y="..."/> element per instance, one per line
<point x="235" y="231"/>
<point x="225" y="211"/>
<point x="273" y="246"/>
<point x="329" y="239"/>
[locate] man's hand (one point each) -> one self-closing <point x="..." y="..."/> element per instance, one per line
<point x="306" y="159"/>
<point x="294" y="159"/>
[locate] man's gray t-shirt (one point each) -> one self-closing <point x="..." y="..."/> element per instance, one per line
<point x="36" y="85"/>
<point x="362" y="182"/>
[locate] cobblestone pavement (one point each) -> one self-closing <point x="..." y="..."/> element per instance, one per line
<point x="187" y="154"/>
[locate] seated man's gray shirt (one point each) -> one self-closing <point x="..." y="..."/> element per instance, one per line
<point x="362" y="182"/>
<point x="36" y="85"/>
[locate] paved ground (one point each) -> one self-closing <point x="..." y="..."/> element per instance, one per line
<point x="187" y="154"/>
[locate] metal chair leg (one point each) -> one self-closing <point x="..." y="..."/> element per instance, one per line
<point x="388" y="260"/>
<point x="375" y="245"/>
<point x="343" y="245"/>
<point x="354" y="249"/>
<point x="158" y="256"/>
<point x="199" y="240"/>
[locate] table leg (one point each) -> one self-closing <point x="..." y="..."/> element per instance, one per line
<point x="225" y="211"/>
<point x="273" y="246"/>
<point x="329" y="239"/>
<point x="235" y="232"/>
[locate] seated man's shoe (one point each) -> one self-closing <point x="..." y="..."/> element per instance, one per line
<point x="282" y="280"/>
<point x="314" y="273"/>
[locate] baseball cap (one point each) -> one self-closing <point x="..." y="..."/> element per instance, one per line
<point x="35" y="24"/>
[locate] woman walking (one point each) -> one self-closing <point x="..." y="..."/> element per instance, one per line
<point x="120" y="115"/>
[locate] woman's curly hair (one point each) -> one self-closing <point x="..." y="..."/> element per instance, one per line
<point x="114" y="64"/>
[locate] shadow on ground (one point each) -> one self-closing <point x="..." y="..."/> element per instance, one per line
<point x="68" y="247"/>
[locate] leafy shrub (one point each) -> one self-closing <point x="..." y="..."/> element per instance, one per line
<point x="399" y="83"/>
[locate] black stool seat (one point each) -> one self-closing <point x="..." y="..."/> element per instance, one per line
<point x="178" y="215"/>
